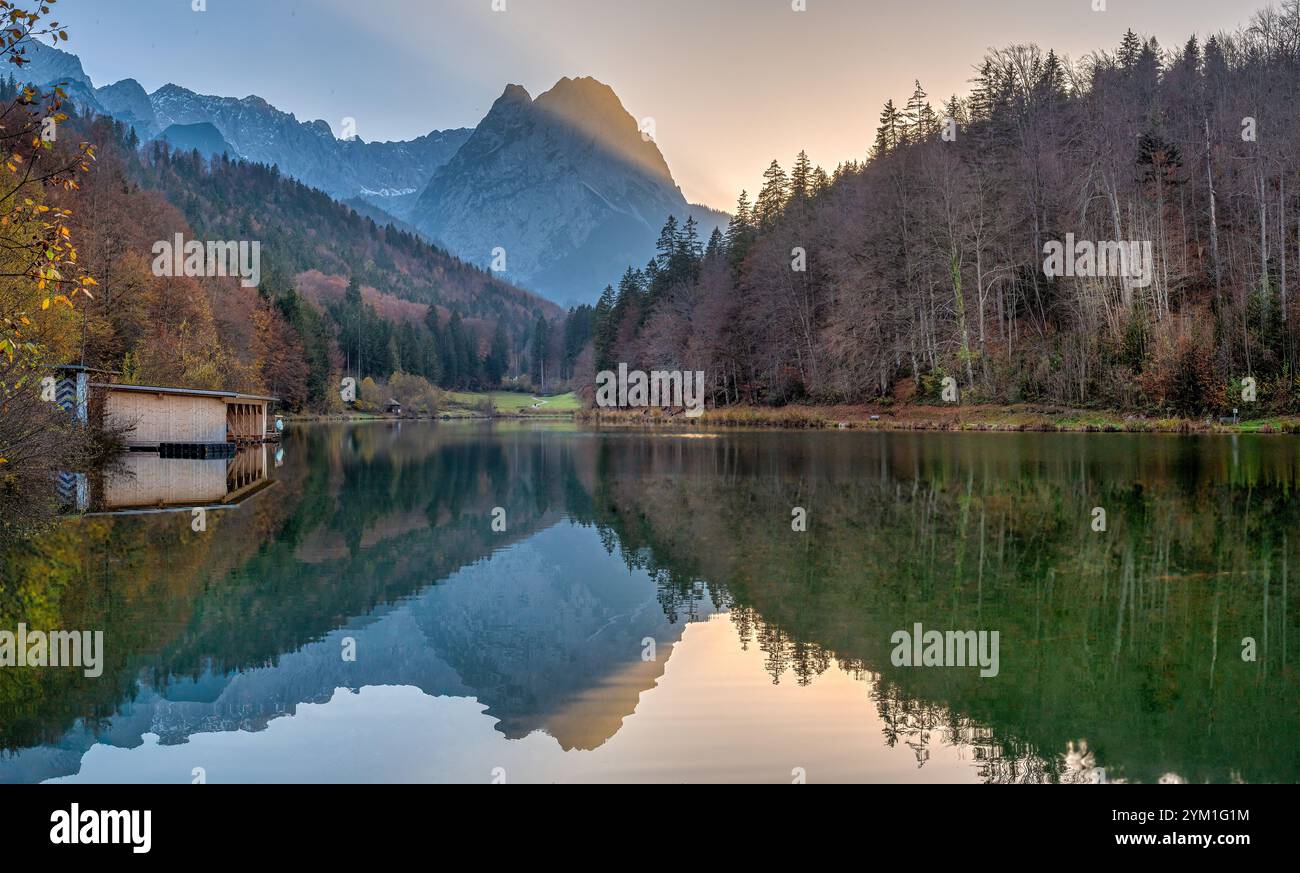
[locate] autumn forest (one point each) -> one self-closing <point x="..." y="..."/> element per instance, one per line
<point x="925" y="260"/>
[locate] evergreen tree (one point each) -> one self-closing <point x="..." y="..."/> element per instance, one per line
<point x="1147" y="69"/>
<point x="920" y="119"/>
<point x="983" y="96"/>
<point x="801" y="178"/>
<point x="498" y="359"/>
<point x="691" y="239"/>
<point x="1216" y="64"/>
<point x="1130" y="48"/>
<point x="315" y="337"/>
<point x="467" y="358"/>
<point x="605" y="328"/>
<point x="741" y="222"/>
<point x="820" y="181"/>
<point x="717" y="245"/>
<point x="740" y="230"/>
<point x="1051" y="85"/>
<point x="1189" y="62"/>
<point x="773" y="196"/>
<point x="541" y="349"/>
<point x="455" y="373"/>
<point x="890" y="133"/>
<point x="667" y="244"/>
<point x="431" y="367"/>
<point x="956" y="110"/>
<point x="630" y="288"/>
<point x="578" y="327"/>
<point x="350" y="319"/>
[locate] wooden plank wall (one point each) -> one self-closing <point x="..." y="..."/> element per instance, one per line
<point x="144" y="480"/>
<point x="166" y="418"/>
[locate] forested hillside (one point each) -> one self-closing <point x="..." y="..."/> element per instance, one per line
<point x="408" y="306"/>
<point x="927" y="258"/>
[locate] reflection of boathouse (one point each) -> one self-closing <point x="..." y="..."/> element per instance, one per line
<point x="150" y="482"/>
<point x="176" y="422"/>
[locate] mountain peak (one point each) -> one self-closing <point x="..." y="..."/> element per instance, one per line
<point x="583" y="85"/>
<point x="591" y="107"/>
<point x="127" y="101"/>
<point x="565" y="183"/>
<point x="515" y="94"/>
<point x="583" y="96"/>
<point x="125" y="85"/>
<point x="171" y="88"/>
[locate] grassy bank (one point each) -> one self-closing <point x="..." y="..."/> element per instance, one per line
<point x="471" y="405"/>
<point x="1018" y="417"/>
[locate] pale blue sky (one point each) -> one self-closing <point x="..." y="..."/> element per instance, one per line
<point x="730" y="83"/>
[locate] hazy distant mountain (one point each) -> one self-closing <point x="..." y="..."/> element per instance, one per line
<point x="565" y="184"/>
<point x="387" y="174"/>
<point x="203" y="137"/>
<point x="382" y="173"/>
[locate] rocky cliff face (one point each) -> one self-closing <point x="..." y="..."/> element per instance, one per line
<point x="49" y="65"/>
<point x="565" y="184"/>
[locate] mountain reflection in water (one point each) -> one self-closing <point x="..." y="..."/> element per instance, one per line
<point x="649" y="614"/>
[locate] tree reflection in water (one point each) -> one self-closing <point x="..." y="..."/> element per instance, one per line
<point x="1121" y="649"/>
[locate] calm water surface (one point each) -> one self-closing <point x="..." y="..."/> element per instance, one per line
<point x="649" y="614"/>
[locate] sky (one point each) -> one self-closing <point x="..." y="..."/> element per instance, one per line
<point x="729" y="84"/>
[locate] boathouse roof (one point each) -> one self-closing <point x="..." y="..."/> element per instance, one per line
<point x="184" y="392"/>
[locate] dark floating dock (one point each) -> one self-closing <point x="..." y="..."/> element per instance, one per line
<point x="197" y="451"/>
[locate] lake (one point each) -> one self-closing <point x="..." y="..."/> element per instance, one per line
<point x="517" y="602"/>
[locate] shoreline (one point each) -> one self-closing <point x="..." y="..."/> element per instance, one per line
<point x="344" y="418"/>
<point x="991" y="418"/>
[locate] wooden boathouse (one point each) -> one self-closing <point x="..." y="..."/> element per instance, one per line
<point x="175" y="422"/>
<point x="184" y="422"/>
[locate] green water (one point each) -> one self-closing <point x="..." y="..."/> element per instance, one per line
<point x="649" y="613"/>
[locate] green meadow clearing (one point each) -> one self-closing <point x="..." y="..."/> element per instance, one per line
<point x="469" y="403"/>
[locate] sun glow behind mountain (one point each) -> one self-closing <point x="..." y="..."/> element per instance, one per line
<point x="730" y="84"/>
